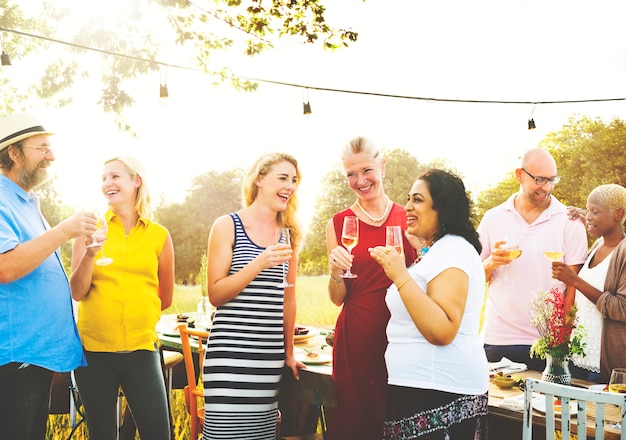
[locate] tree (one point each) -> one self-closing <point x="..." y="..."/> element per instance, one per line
<point x="125" y="39"/>
<point x="588" y="153"/>
<point x="212" y="194"/>
<point x="401" y="170"/>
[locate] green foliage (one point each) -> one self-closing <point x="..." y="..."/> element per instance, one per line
<point x="212" y="194"/>
<point x="137" y="33"/>
<point x="496" y="194"/>
<point x="588" y="153"/>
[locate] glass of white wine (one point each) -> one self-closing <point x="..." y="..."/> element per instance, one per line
<point x="102" y="224"/>
<point x="350" y="238"/>
<point x="514" y="252"/>
<point x="617" y="384"/>
<point x="393" y="238"/>
<point x="286" y="239"/>
<point x="555" y="252"/>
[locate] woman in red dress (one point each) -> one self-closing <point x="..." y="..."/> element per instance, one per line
<point x="359" y="370"/>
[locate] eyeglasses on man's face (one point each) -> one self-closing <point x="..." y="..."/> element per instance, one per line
<point x="543" y="180"/>
<point x="42" y="150"/>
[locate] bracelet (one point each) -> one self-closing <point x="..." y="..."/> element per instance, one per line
<point x="336" y="281"/>
<point x="403" y="283"/>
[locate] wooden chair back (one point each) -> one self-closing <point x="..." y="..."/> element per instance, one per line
<point x="566" y="394"/>
<point x="303" y="403"/>
<point x="193" y="391"/>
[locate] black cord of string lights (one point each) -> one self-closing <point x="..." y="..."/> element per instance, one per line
<point x="306" y="86"/>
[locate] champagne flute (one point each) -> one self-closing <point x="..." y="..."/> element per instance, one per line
<point x="103" y="260"/>
<point x="617" y="384"/>
<point x="555" y="252"/>
<point x="94" y="242"/>
<point x="286" y="238"/>
<point x="350" y="238"/>
<point x="512" y="246"/>
<point x="393" y="238"/>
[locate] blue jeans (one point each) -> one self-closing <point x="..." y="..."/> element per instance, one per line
<point x="140" y="375"/>
<point x="24" y="401"/>
<point x="515" y="353"/>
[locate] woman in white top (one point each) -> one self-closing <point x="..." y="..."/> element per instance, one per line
<point x="606" y="205"/>
<point x="438" y="373"/>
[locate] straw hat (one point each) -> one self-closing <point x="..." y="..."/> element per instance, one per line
<point x="19" y="126"/>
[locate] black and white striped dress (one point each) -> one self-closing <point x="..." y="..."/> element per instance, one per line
<point x="245" y="354"/>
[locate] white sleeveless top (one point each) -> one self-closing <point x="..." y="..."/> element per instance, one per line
<point x="588" y="315"/>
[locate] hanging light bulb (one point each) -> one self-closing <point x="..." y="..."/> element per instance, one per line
<point x="306" y="105"/>
<point x="163" y="93"/>
<point x="6" y="61"/>
<point x="531" y="121"/>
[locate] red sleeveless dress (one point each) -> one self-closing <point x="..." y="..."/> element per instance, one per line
<point x="359" y="370"/>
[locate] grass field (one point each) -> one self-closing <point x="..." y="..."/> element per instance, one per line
<point x="314" y="307"/>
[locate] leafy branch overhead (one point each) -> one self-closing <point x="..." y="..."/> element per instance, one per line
<point x="129" y="39"/>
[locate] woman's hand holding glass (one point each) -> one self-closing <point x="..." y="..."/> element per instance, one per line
<point x="391" y="261"/>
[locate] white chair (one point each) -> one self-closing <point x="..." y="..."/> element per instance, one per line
<point x="566" y="393"/>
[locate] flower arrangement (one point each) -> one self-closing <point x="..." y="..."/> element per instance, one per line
<point x="559" y="336"/>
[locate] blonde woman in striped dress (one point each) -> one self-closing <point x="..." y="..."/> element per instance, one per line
<point x="251" y="337"/>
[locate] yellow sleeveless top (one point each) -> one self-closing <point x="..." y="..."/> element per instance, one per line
<point x="122" y="307"/>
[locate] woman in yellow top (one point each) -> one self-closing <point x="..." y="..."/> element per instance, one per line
<point x="120" y="305"/>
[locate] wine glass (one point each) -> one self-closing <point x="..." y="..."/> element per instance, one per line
<point x="102" y="223"/>
<point x="286" y="239"/>
<point x="94" y="241"/>
<point x="617" y="384"/>
<point x="393" y="238"/>
<point x="350" y="238"/>
<point x="555" y="252"/>
<point x="512" y="246"/>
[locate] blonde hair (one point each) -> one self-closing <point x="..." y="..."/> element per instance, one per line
<point x="360" y="144"/>
<point x="249" y="192"/>
<point x="612" y="195"/>
<point x="135" y="169"/>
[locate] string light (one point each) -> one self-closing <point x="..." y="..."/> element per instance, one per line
<point x="325" y="89"/>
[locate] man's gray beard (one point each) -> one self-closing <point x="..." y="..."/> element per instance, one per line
<point x="33" y="178"/>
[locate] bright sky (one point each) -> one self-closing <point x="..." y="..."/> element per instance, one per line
<point x="521" y="50"/>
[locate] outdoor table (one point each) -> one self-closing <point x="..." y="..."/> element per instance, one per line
<point x="504" y="422"/>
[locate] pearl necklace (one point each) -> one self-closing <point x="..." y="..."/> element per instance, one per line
<point x="375" y="219"/>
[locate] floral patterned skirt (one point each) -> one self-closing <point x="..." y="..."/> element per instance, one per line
<point x="435" y="415"/>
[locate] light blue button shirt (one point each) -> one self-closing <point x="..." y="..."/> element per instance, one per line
<point x="36" y="316"/>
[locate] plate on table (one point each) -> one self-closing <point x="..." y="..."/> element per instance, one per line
<point x="599" y="387"/>
<point x="304" y="334"/>
<point x="540" y="405"/>
<point x="320" y="359"/>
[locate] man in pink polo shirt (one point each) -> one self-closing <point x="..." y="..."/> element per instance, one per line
<point x="532" y="217"/>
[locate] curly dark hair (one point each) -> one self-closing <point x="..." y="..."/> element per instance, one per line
<point x="453" y="205"/>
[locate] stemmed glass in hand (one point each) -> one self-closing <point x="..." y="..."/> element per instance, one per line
<point x="617" y="384"/>
<point x="350" y="238"/>
<point x="556" y="250"/>
<point x="102" y="226"/>
<point x="393" y="238"/>
<point x="512" y="246"/>
<point x="286" y="237"/>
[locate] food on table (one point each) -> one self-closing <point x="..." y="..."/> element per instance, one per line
<point x="181" y="317"/>
<point x="330" y="338"/>
<point x="298" y="330"/>
<point x="311" y="354"/>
